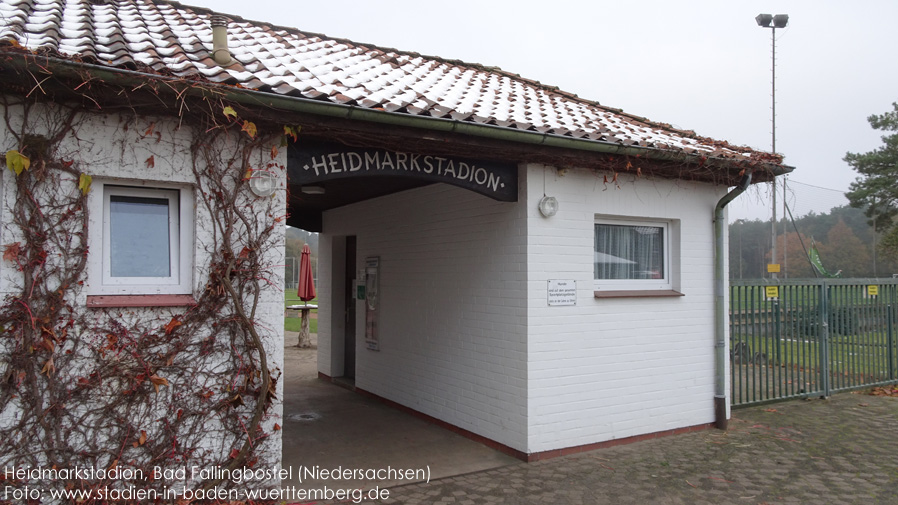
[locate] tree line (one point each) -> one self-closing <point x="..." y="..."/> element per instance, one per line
<point x="844" y="238"/>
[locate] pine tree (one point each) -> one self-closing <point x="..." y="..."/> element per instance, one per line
<point x="875" y="190"/>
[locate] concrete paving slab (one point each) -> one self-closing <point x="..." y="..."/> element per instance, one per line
<point x="843" y="450"/>
<point x="329" y="427"/>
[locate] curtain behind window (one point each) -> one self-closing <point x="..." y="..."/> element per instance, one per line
<point x="629" y="252"/>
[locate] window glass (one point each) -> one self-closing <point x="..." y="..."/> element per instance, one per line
<point x="139" y="237"/>
<point x="624" y="252"/>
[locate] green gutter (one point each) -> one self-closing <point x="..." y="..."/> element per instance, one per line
<point x="316" y="107"/>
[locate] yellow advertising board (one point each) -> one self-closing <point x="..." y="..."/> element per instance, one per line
<point x="773" y="268"/>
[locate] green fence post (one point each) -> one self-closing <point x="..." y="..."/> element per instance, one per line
<point x="891" y="349"/>
<point x="823" y="357"/>
<point x="777" y="329"/>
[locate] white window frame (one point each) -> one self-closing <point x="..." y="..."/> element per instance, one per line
<point x="665" y="283"/>
<point x="181" y="225"/>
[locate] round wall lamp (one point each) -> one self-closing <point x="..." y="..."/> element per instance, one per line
<point x="548" y="206"/>
<point x="263" y="183"/>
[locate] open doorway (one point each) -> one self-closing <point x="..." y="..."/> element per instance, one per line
<point x="349" y="310"/>
<point x="321" y="421"/>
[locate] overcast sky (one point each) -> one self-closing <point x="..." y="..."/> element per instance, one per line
<point x="699" y="65"/>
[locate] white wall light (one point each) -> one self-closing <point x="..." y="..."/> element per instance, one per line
<point x="548" y="206"/>
<point x="263" y="183"/>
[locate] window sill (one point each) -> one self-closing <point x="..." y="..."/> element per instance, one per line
<point x="639" y="293"/>
<point x="140" y="300"/>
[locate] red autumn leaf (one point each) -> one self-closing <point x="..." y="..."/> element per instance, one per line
<point x="150" y="129"/>
<point x="170" y="327"/>
<point x="151" y="162"/>
<point x="143" y="437"/>
<point x="11" y="252"/>
<point x="277" y="427"/>
<point x="234" y="453"/>
<point x="244" y="253"/>
<point x="274" y="152"/>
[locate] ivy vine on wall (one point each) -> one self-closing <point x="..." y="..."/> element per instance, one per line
<point x="136" y="394"/>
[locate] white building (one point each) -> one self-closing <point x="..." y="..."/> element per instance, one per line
<point x="530" y="267"/>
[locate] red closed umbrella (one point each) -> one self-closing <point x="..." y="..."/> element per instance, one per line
<point x="306" y="289"/>
<point x="305" y="292"/>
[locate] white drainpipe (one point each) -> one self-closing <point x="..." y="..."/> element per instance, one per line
<point x="720" y="312"/>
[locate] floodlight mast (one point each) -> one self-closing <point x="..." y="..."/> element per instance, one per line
<point x="773" y="22"/>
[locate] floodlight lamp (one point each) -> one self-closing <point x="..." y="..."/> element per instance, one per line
<point x="780" y="20"/>
<point x="764" y="20"/>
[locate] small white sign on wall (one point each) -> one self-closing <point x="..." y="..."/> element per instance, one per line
<point x="562" y="292"/>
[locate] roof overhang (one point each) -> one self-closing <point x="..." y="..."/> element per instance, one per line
<point x="360" y="126"/>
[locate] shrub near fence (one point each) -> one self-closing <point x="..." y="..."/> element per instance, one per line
<point x="815" y="337"/>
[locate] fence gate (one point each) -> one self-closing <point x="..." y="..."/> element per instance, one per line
<point x="798" y="338"/>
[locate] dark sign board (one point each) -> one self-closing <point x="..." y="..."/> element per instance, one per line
<point x="316" y="162"/>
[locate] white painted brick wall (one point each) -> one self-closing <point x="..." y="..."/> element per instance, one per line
<point x="115" y="147"/>
<point x="466" y="332"/>
<point x="452" y="308"/>
<point x="613" y="368"/>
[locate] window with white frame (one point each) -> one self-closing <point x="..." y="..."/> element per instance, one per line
<point x="631" y="254"/>
<point x="141" y="240"/>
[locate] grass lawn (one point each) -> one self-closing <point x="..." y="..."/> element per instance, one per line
<point x="857" y="351"/>
<point x="295" y="323"/>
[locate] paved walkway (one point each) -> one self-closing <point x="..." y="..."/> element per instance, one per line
<point x="327" y="426"/>
<point x="838" y="451"/>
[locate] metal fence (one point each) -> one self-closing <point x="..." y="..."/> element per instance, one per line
<point x="798" y="338"/>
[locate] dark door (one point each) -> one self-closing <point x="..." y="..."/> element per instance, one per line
<point x="349" y="335"/>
